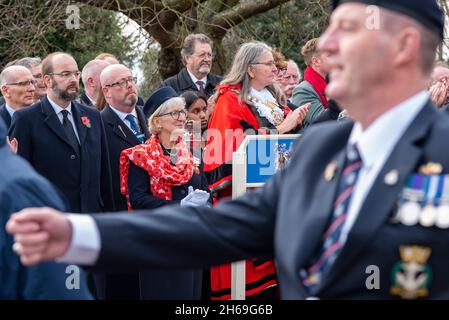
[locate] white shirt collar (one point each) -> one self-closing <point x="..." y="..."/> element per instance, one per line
<point x="122" y="115"/>
<point x="57" y="108"/>
<point x="10" y="110"/>
<point x="378" y="140"/>
<point x="194" y="79"/>
<point x="91" y="100"/>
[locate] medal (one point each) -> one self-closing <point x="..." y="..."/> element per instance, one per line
<point x="442" y="219"/>
<point x="409" y="213"/>
<point x="428" y="216"/>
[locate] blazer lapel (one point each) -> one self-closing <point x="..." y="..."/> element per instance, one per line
<point x="119" y="127"/>
<point x="78" y="113"/>
<point x="381" y="199"/>
<point x="143" y="122"/>
<point x="313" y="225"/>
<point x="52" y="120"/>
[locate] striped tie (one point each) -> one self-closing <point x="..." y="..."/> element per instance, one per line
<point x="331" y="245"/>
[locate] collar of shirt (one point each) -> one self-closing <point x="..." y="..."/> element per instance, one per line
<point x="122" y="115"/>
<point x="58" y="109"/>
<point x="91" y="100"/>
<point x="10" y="110"/>
<point x="194" y="79"/>
<point x="377" y="141"/>
<point x="375" y="145"/>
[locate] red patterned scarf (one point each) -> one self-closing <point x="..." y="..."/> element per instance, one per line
<point x="163" y="174"/>
<point x="318" y="83"/>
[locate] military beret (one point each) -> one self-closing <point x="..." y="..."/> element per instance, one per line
<point x="157" y="98"/>
<point x="426" y="12"/>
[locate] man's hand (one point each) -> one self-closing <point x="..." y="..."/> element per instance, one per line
<point x="40" y="234"/>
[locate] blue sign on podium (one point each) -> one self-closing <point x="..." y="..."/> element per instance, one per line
<point x="264" y="157"/>
<point x="256" y="160"/>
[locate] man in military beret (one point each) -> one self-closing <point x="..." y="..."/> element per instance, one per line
<point x="369" y="196"/>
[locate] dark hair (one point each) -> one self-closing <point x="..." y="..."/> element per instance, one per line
<point x="191" y="96"/>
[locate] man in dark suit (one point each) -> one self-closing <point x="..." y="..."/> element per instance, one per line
<point x="196" y="55"/>
<point x="17" y="86"/>
<point x="125" y="126"/>
<point x="120" y="117"/>
<point x="21" y="187"/>
<point x="65" y="141"/>
<point x="91" y="81"/>
<point x="361" y="210"/>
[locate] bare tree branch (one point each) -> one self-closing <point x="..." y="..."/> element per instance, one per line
<point x="235" y="15"/>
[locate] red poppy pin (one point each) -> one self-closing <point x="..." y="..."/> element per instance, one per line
<point x="86" y="122"/>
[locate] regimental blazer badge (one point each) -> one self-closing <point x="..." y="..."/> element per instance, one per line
<point x="411" y="277"/>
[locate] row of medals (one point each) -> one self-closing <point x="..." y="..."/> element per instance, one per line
<point x="411" y="212"/>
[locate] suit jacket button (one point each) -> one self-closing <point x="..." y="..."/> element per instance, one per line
<point x="72" y="157"/>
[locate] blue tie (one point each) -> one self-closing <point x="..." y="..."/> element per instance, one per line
<point x="331" y="244"/>
<point x="135" y="128"/>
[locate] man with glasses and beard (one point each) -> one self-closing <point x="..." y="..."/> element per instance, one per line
<point x="64" y="140"/>
<point x="125" y="126"/>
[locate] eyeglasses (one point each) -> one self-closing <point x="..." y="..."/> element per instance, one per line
<point x="269" y="63"/>
<point x="23" y="83"/>
<point x="123" y="83"/>
<point x="66" y="74"/>
<point x="174" y="114"/>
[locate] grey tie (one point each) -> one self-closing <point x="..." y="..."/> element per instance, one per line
<point x="201" y="86"/>
<point x="69" y="131"/>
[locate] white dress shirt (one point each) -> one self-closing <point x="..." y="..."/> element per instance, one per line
<point x="10" y="110"/>
<point x="91" y="100"/>
<point x="375" y="145"/>
<point x="194" y="79"/>
<point x="58" y="110"/>
<point x="123" y="115"/>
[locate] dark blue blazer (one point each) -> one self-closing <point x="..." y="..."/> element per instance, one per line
<point x="119" y="138"/>
<point x="21" y="187"/>
<point x="85" y="178"/>
<point x="288" y="216"/>
<point x="5" y="115"/>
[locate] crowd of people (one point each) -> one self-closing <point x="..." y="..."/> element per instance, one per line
<point x="107" y="149"/>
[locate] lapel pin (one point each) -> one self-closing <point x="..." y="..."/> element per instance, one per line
<point x="121" y="130"/>
<point x="329" y="173"/>
<point x="431" y="168"/>
<point x="392" y="177"/>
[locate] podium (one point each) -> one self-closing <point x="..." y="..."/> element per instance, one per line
<point x="257" y="159"/>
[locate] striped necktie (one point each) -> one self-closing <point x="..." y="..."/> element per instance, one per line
<point x="331" y="244"/>
<point x="135" y="128"/>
